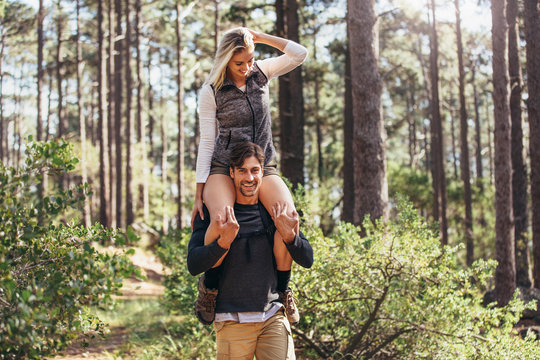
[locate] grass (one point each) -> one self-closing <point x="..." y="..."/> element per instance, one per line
<point x="153" y="332"/>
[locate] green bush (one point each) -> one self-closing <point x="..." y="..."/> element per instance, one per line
<point x="396" y="294"/>
<point x="196" y="340"/>
<point x="50" y="273"/>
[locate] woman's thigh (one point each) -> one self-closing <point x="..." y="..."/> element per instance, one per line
<point x="273" y="190"/>
<point x="217" y="194"/>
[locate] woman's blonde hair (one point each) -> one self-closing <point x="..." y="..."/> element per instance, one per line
<point x="232" y="42"/>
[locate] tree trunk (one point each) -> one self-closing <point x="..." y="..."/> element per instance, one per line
<point x="291" y="101"/>
<point x="490" y="145"/>
<point x="348" y="138"/>
<point x="318" y="120"/>
<point x="369" y="153"/>
<point x="2" y="46"/>
<point x="39" y="130"/>
<point x="453" y="134"/>
<point x="49" y="104"/>
<point x="519" y="171"/>
<point x="60" y="108"/>
<point x="411" y="121"/>
<point x="437" y="148"/>
<point x="532" y="36"/>
<point x="464" y="143"/>
<point x="111" y="116"/>
<point x="118" y="61"/>
<point x="479" y="167"/>
<point x="164" y="196"/>
<point x="180" y="118"/>
<point x="151" y="118"/>
<point x="216" y="24"/>
<point x="505" y="274"/>
<point x="82" y="125"/>
<point x="104" y="215"/>
<point x="142" y="202"/>
<point x="130" y="217"/>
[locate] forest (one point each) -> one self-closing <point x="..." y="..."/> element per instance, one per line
<point x="406" y="137"/>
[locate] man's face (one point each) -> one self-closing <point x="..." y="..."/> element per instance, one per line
<point x="247" y="178"/>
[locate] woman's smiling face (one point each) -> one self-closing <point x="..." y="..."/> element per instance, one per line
<point x="240" y="65"/>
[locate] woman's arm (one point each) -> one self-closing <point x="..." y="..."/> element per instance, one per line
<point x="295" y="54"/>
<point x="207" y="121"/>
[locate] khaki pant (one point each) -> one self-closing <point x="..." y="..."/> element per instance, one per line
<point x="268" y="340"/>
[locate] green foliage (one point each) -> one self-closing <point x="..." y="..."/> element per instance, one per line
<point x="180" y="295"/>
<point x="396" y="293"/>
<point x="50" y="273"/>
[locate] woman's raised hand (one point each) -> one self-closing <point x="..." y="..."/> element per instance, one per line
<point x="197" y="208"/>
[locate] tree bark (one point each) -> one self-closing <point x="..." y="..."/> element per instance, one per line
<point x="39" y="130"/>
<point x="111" y="116"/>
<point x="369" y="153"/>
<point x="60" y="108"/>
<point x="532" y="36"/>
<point x="348" y="138"/>
<point x="519" y="171"/>
<point x="180" y="118"/>
<point x="104" y="215"/>
<point x="464" y="144"/>
<point x="142" y="202"/>
<point x="2" y="46"/>
<point x="505" y="273"/>
<point x="437" y="148"/>
<point x="119" y="53"/>
<point x="217" y="18"/>
<point x="82" y="124"/>
<point x="130" y="217"/>
<point x="291" y="100"/>
<point x="151" y="118"/>
<point x="479" y="167"/>
<point x="453" y="133"/>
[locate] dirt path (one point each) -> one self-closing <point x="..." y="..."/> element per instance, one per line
<point x="101" y="349"/>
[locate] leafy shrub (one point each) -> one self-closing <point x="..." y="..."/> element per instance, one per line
<point x="197" y="340"/>
<point x="396" y="294"/>
<point x="50" y="274"/>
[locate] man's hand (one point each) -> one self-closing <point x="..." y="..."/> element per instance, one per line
<point x="286" y="221"/>
<point x="227" y="227"/>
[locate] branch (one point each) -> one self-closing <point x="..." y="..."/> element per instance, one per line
<point x="321" y="350"/>
<point x="372" y="317"/>
<point x="386" y="342"/>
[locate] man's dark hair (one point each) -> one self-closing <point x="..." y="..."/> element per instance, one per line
<point x="243" y="151"/>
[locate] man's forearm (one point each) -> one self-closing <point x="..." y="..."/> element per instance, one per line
<point x="301" y="251"/>
<point x="203" y="258"/>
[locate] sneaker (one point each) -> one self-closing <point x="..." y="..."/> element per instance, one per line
<point x="205" y="306"/>
<point x="289" y="302"/>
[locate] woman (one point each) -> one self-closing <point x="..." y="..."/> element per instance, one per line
<point x="235" y="107"/>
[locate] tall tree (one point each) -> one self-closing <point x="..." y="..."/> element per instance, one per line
<point x="180" y="117"/>
<point x="479" y="168"/>
<point x="82" y="123"/>
<point x="291" y="99"/>
<point x="519" y="171"/>
<point x="348" y="136"/>
<point x="437" y="148"/>
<point x="369" y="153"/>
<point x="118" y="61"/>
<point x="532" y="36"/>
<point x="130" y="217"/>
<point x="39" y="70"/>
<point x="143" y="186"/>
<point x="59" y="74"/>
<point x="464" y="156"/>
<point x="111" y="114"/>
<point x="505" y="273"/>
<point x="104" y="214"/>
<point x="2" y="136"/>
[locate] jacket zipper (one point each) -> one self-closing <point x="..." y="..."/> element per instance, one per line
<point x="252" y="117"/>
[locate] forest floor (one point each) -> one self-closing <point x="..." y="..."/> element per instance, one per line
<point x="132" y="322"/>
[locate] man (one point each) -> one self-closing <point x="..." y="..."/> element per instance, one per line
<point x="249" y="316"/>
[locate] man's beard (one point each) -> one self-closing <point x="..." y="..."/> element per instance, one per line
<point x="252" y="191"/>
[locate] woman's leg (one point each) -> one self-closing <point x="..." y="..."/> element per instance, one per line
<point x="218" y="193"/>
<point x="273" y="190"/>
